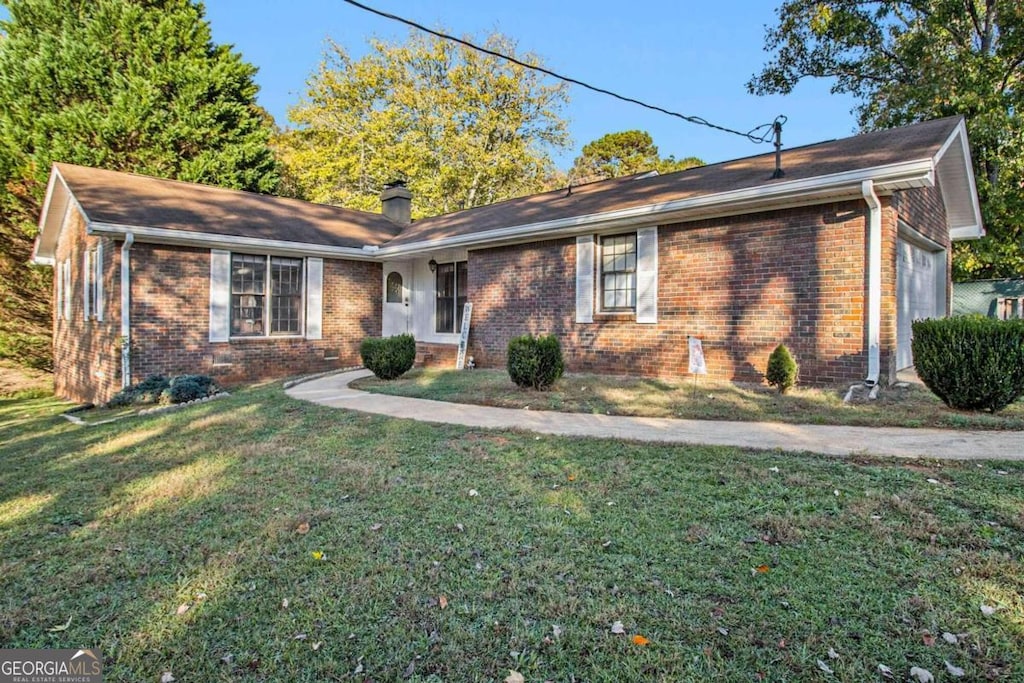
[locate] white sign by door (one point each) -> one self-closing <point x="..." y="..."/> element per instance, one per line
<point x="460" y="361"/>
<point x="697" y="366"/>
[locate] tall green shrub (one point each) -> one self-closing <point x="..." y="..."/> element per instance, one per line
<point x="782" y="369"/>
<point x="388" y="357"/>
<point x="535" y="362"/>
<point x="971" y="362"/>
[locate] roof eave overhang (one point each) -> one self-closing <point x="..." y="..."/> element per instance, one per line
<point x="230" y="242"/>
<point x="56" y="203"/>
<point x="821" y="189"/>
<point x="955" y="172"/>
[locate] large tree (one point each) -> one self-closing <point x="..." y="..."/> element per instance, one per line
<point x="119" y="84"/>
<point x="909" y="60"/>
<point x="461" y="127"/>
<point x="625" y="153"/>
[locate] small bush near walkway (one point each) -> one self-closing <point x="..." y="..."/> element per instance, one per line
<point x="388" y="357"/>
<point x="159" y="389"/>
<point x="971" y="362"/>
<point x="535" y="362"/>
<point x="782" y="369"/>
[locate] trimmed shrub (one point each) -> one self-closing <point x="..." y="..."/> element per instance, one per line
<point x="146" y="391"/>
<point x="535" y="362"/>
<point x="185" y="388"/>
<point x="389" y="357"/>
<point x="158" y="389"/>
<point x="782" y="369"/>
<point x="971" y="362"/>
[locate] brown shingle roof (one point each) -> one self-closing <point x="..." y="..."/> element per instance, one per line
<point x="142" y="201"/>
<point x="879" y="148"/>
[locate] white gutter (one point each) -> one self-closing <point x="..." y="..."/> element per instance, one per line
<point x="874" y="280"/>
<point x="126" y="300"/>
<point x="919" y="173"/>
<point x="229" y="242"/>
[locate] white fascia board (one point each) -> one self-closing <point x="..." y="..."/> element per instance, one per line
<point x="959" y="136"/>
<point x="918" y="173"/>
<point x="230" y="242"/>
<point x="43" y="251"/>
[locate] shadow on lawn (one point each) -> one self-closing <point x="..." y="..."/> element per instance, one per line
<point x="174" y="541"/>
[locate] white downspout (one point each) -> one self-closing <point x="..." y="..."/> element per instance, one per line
<point x="874" y="280"/>
<point x="126" y="322"/>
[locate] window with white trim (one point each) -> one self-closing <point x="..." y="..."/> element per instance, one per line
<point x="266" y="295"/>
<point x="451" y="296"/>
<point x="618" y="273"/>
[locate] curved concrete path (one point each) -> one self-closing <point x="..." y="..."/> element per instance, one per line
<point x="333" y="391"/>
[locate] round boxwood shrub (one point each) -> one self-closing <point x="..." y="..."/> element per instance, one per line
<point x="388" y="357"/>
<point x="782" y="369"/>
<point x="971" y="362"/>
<point x="148" y="390"/>
<point x="535" y="362"/>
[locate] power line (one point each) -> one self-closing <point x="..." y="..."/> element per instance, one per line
<point x="762" y="133"/>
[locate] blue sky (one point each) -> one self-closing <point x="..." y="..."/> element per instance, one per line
<point x="685" y="55"/>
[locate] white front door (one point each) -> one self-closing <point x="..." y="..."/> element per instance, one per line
<point x="397" y="290"/>
<point x="920" y="273"/>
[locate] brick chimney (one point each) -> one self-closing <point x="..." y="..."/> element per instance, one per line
<point x="396" y="202"/>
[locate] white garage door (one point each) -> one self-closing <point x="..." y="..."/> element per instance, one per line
<point x="920" y="292"/>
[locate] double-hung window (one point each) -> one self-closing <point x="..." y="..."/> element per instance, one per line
<point x="451" y="296"/>
<point x="266" y="295"/>
<point x="618" y="273"/>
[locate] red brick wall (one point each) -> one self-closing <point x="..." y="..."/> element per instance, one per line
<point x="741" y="284"/>
<point x="170" y="321"/>
<point x="86" y="353"/>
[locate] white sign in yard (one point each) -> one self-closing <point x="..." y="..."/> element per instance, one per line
<point x="697" y="366"/>
<point x="460" y="361"/>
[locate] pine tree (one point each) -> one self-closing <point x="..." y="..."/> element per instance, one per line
<point x="118" y="84"/>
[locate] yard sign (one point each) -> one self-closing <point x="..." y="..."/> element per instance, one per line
<point x="460" y="361"/>
<point x="697" y="366"/>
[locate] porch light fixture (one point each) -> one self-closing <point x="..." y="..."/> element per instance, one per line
<point x="432" y="264"/>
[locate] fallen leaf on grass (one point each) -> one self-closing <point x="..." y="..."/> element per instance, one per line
<point x="302" y="529"/>
<point x="359" y="669"/>
<point x="723" y="630"/>
<point x="60" y="627"/>
<point x="167" y="677"/>
<point x="640" y="640"/>
<point x="227" y="659"/>
<point x="284" y="604"/>
<point x="773" y="469"/>
<point x="825" y="667"/>
<point x="514" y="677"/>
<point x="885" y="671"/>
<point x="556" y="630"/>
<point x="921" y="675"/>
<point x="571" y="477"/>
<point x="762" y="569"/>
<point x="317" y="645"/>
<point x="443" y="602"/>
<point x="376" y="527"/>
<point x="950" y="638"/>
<point x="618" y="629"/>
<point x="928" y="639"/>
<point x="317" y="555"/>
<point x="933" y="481"/>
<point x="832" y="654"/>
<point x="299" y="636"/>
<point x="473" y="493"/>
<point x="182" y="608"/>
<point x="988" y="610"/>
<point x="954" y="671"/>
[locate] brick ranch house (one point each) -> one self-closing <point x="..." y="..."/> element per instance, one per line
<point x="835" y="259"/>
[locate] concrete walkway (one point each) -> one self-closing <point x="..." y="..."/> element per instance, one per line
<point x="333" y="391"/>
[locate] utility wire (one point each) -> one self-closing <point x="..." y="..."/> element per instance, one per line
<point x="762" y="133"/>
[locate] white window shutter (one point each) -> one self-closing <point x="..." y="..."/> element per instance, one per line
<point x="314" y="298"/>
<point x="220" y="295"/>
<point x="99" y="281"/>
<point x="647" y="275"/>
<point x="67" y="289"/>
<point x="58" y="277"/>
<point x="585" y="279"/>
<point x="86" y="281"/>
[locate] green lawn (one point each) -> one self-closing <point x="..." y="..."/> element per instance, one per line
<point x="173" y="543"/>
<point x="906" y="406"/>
